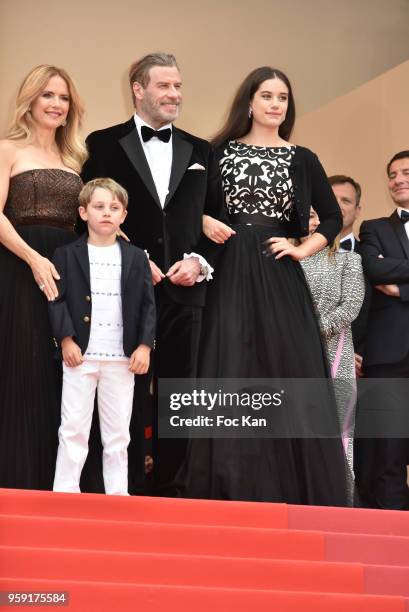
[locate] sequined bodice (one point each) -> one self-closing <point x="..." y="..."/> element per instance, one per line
<point x="43" y="194"/>
<point x="256" y="180"/>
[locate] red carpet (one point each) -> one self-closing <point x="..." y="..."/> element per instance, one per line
<point x="152" y="554"/>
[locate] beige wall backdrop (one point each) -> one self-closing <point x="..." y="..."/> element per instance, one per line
<point x="340" y="56"/>
<point x="358" y="133"/>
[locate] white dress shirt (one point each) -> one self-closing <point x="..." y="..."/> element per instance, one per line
<point x="159" y="156"/>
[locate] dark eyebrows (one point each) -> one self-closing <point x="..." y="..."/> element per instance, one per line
<point x="403" y="169"/>
<point x="282" y="93"/>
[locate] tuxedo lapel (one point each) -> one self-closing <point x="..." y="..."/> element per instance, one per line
<point x="399" y="229"/>
<point x="131" y="144"/>
<point x="126" y="257"/>
<point x="182" y="153"/>
<point x="81" y="252"/>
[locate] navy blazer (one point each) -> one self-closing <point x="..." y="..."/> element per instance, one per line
<point x="71" y="312"/>
<point x="387" y="339"/>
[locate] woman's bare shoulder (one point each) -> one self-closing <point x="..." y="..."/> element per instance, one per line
<point x="8" y="148"/>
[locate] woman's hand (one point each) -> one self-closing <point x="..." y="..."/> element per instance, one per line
<point x="282" y="247"/>
<point x="44" y="273"/>
<point x="215" y="230"/>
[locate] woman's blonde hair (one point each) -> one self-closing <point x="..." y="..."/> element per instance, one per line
<point x="334" y="246"/>
<point x="67" y="137"/>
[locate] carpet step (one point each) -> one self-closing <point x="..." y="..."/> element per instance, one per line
<point x="205" y="512"/>
<point x="127" y="536"/>
<point x="143" y="509"/>
<point x="52" y="532"/>
<point x="349" y="520"/>
<point x="162" y="598"/>
<point x="181" y="570"/>
<point x="367" y="549"/>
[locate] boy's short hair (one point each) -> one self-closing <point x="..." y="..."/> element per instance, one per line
<point x="104" y="183"/>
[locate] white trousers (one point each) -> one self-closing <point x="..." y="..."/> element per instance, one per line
<point x="115" y="385"/>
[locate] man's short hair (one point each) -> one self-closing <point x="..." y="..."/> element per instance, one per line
<point x="139" y="71"/>
<point x="112" y="186"/>
<point x="400" y="155"/>
<point x="340" y="179"/>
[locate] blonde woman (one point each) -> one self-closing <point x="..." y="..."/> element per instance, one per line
<point x="40" y="161"/>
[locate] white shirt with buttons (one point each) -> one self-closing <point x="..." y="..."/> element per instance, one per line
<point x="159" y="156"/>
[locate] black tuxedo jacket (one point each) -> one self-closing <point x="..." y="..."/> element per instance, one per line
<point x="176" y="229"/>
<point x="387" y="339"/>
<point x="71" y="312"/>
<point x="360" y="324"/>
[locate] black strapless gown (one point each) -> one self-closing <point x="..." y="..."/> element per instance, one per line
<point x="259" y="322"/>
<point x="42" y="204"/>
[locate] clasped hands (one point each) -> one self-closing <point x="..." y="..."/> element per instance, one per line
<point x="184" y="272"/>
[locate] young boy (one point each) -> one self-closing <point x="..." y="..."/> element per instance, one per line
<point x="104" y="321"/>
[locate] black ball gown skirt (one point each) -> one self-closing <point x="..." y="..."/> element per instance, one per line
<point x="259" y="322"/>
<point x="30" y="376"/>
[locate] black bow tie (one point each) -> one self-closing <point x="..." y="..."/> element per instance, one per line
<point x="148" y="133"/>
<point x="346" y="244"/>
<point x="404" y="216"/>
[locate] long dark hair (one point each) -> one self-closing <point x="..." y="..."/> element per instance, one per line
<point x="238" y="122"/>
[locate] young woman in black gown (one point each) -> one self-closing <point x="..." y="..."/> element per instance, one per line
<point x="40" y="161"/>
<point x="259" y="319"/>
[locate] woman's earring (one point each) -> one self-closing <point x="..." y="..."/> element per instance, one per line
<point x="250" y="112"/>
<point x="64" y="123"/>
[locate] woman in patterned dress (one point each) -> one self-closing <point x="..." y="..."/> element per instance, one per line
<point x="259" y="319"/>
<point x="337" y="285"/>
<point x="40" y="163"/>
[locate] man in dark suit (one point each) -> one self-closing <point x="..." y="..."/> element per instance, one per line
<point x="172" y="179"/>
<point x="348" y="193"/>
<point x="385" y="256"/>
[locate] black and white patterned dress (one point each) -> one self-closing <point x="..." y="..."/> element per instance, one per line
<point x="337" y="286"/>
<point x="259" y="322"/>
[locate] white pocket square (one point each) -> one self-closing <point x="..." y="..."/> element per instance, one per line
<point x="196" y="167"/>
